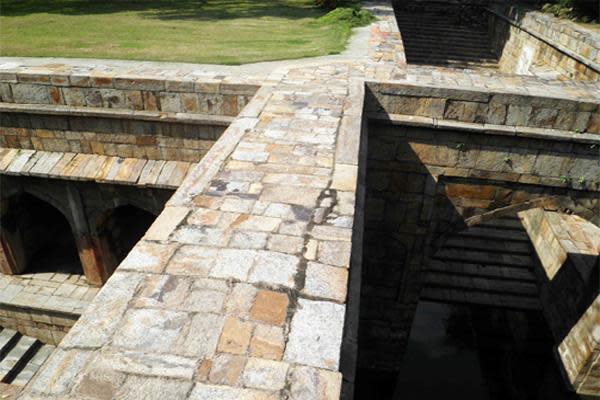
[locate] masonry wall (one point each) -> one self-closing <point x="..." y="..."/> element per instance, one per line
<point x="86" y="206"/>
<point x="423" y="183"/>
<point x="45" y="325"/>
<point x="526" y="40"/>
<point x="491" y="108"/>
<point x="125" y="92"/>
<point x="567" y="273"/>
<point x="121" y="137"/>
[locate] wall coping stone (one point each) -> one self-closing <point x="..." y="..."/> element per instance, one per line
<point x="160" y="174"/>
<point x="156" y="116"/>
<point x="488" y="129"/>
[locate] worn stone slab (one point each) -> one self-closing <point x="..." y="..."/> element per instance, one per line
<point x="316" y="334"/>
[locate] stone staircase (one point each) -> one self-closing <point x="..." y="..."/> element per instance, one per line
<point x="20" y="357"/>
<point x="490" y="264"/>
<point x="445" y="40"/>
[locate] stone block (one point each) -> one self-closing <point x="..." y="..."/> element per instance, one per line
<point x="147" y="388"/>
<point x="227" y="369"/>
<point x="309" y="383"/>
<point x="148" y="257"/>
<point x="274" y="269"/>
<point x="235" y="337"/>
<point x="267" y="342"/>
<point x="316" y="334"/>
<point x="326" y="282"/>
<point x="270" y="307"/>
<point x="151" y="330"/>
<point x="33" y="94"/>
<point x="265" y="374"/>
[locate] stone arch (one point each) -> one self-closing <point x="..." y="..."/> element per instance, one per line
<point x="59" y="204"/>
<point x="554" y="203"/>
<point x="36" y="236"/>
<point x="119" y="228"/>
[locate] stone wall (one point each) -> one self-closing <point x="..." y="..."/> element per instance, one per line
<point x="568" y="250"/>
<point x="441" y="158"/>
<point x="45" y="325"/>
<point x="127" y="136"/>
<point x="125" y="92"/>
<point x="527" y="40"/>
<point x="493" y="108"/>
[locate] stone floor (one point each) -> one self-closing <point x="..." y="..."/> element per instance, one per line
<point x="47" y="291"/>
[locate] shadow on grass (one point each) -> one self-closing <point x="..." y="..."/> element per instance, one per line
<point x="167" y="9"/>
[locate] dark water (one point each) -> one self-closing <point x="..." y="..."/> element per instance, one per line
<point x="479" y="353"/>
<point x="435" y="366"/>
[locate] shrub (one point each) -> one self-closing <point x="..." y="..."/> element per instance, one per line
<point x="576" y="10"/>
<point x="352" y="16"/>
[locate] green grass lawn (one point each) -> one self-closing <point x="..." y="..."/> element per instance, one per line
<point x="200" y="31"/>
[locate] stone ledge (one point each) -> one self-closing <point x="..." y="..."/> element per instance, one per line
<point x="91" y="167"/>
<point x="559" y="111"/>
<point x="154" y="116"/>
<point x="487" y="129"/>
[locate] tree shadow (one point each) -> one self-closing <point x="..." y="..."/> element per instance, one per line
<point x="200" y="10"/>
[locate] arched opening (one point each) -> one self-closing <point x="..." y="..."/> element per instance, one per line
<point x="36" y="237"/>
<point x="121" y="229"/>
<point x="478" y="330"/>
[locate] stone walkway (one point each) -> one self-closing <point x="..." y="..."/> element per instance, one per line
<point x="239" y="289"/>
<point x="62" y="292"/>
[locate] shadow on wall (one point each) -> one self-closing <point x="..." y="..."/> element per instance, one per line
<point x="422" y="185"/>
<point x="168" y="9"/>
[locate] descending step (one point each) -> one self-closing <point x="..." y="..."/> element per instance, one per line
<point x="33" y="365"/>
<point x="8" y="338"/>
<point x="20" y="357"/>
<point x="445" y="40"/>
<point x="490" y="264"/>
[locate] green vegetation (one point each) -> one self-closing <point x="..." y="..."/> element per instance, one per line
<point x="200" y="31"/>
<point x="576" y="10"/>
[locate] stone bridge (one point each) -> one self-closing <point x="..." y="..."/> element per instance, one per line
<point x="316" y="203"/>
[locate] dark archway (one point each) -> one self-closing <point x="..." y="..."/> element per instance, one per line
<point x="36" y="237"/>
<point x="120" y="229"/>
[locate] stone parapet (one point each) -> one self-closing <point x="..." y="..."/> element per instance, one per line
<point x="568" y="249"/>
<point x="580" y="115"/>
<point x="119" y="88"/>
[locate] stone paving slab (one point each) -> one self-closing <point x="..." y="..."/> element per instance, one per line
<point x="91" y="167"/>
<point x="50" y="291"/>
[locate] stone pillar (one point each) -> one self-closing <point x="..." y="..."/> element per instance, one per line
<point x="89" y="248"/>
<point x="11" y="254"/>
<point x="567" y="273"/>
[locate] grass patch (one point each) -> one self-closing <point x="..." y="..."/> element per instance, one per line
<point x="200" y="31"/>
